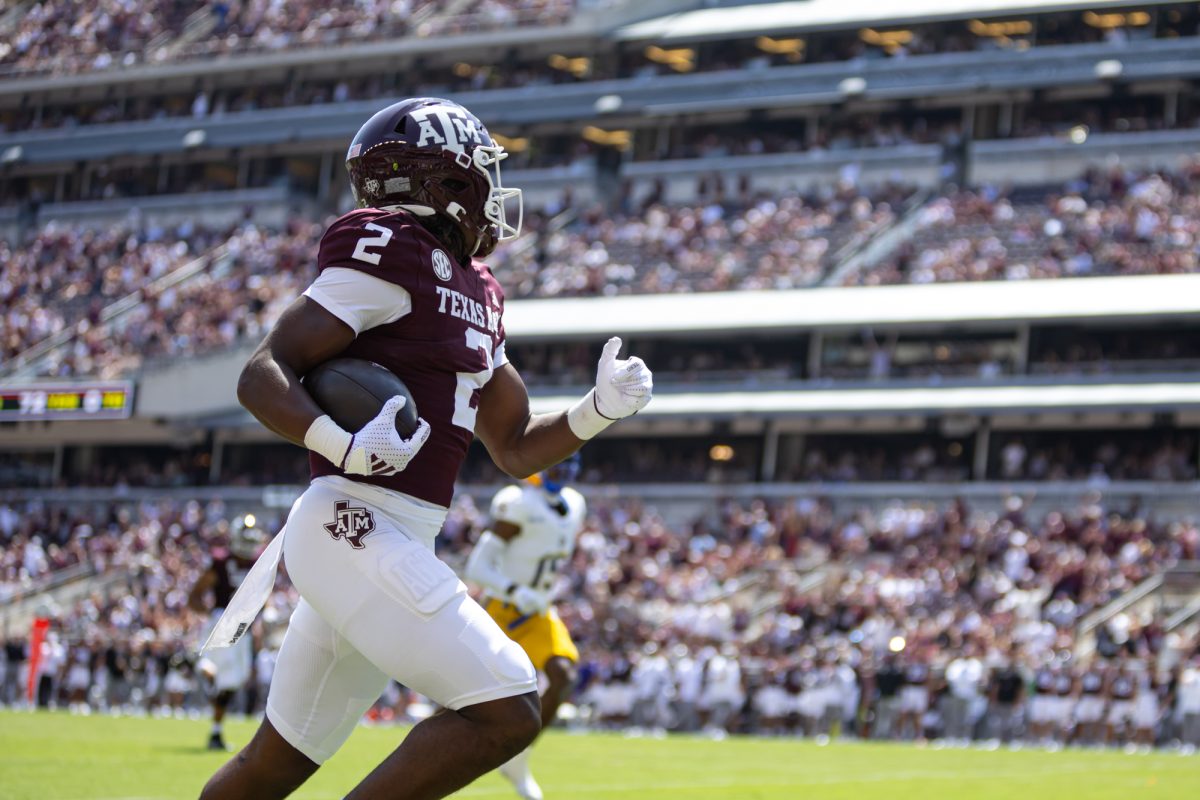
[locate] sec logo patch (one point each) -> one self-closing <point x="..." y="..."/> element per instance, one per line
<point x="441" y="265"/>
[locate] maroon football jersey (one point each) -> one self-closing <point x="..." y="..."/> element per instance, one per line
<point x="442" y="349"/>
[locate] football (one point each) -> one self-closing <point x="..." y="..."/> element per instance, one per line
<point x="352" y="391"/>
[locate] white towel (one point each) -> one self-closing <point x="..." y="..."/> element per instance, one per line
<point x="249" y="598"/>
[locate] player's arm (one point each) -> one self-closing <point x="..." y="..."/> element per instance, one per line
<point x="269" y="386"/>
<point x="483" y="566"/>
<point x="195" y="598"/>
<point x="522" y="443"/>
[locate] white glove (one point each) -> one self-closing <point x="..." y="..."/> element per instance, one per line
<point x="530" y="601"/>
<point x="376" y="450"/>
<point x="623" y="388"/>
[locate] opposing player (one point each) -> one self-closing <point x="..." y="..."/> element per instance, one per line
<point x="401" y="283"/>
<point x="227" y="670"/>
<point x="517" y="563"/>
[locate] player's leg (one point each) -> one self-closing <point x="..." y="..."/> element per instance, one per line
<point x="480" y="728"/>
<point x="407" y="613"/>
<point x="228" y="670"/>
<point x="220" y="702"/>
<point x="320" y="689"/>
<point x="266" y="768"/>
<point x="452" y="748"/>
<point x="561" y="676"/>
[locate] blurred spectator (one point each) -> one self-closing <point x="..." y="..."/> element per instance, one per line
<point x="1114" y="222"/>
<point x="916" y="598"/>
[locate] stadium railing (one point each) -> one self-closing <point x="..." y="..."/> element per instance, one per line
<point x="682" y="501"/>
<point x="658" y="96"/>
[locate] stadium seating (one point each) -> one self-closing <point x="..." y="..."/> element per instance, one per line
<point x="1107" y="223"/>
<point x="54" y="37"/>
<point x="63" y="275"/>
<point x="648" y="600"/>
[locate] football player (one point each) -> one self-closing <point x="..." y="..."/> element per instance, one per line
<point x="228" y="670"/>
<point x="517" y="563"/>
<point x="402" y="283"/>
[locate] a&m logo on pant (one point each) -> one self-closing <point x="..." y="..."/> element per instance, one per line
<point x="351" y="523"/>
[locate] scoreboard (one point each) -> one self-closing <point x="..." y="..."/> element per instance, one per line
<point x="76" y="400"/>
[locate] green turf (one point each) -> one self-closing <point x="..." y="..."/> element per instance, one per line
<point x="60" y="757"/>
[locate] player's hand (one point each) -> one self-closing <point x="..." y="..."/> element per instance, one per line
<point x="378" y="449"/>
<point x="530" y="601"/>
<point x="623" y="386"/>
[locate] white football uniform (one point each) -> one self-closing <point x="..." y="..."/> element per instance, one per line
<point x="390" y="610"/>
<point x="537" y="555"/>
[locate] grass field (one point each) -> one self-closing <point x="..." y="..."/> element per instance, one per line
<point x="60" y="757"/>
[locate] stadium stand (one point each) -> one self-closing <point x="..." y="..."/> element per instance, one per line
<point x="700" y="616"/>
<point x="54" y="36"/>
<point x="1112" y="223"/>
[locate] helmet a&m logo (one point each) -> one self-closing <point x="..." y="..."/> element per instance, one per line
<point x="450" y="126"/>
<point x="441" y="265"/>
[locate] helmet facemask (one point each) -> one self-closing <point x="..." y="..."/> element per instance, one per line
<point x="487" y="159"/>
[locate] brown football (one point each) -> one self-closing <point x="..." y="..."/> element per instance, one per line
<point x="352" y="391"/>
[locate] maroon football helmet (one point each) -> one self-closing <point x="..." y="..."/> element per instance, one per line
<point x="433" y="158"/>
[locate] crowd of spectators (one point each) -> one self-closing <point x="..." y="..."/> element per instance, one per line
<point x="747" y="243"/>
<point x="782" y="241"/>
<point x="68" y="36"/>
<point x="258" y="272"/>
<point x="1162" y="456"/>
<point x="1093" y="457"/>
<point x="60" y="36"/>
<point x="1109" y="222"/>
<point x="64" y="36"/>
<point x="902" y="620"/>
<point x="63" y="274"/>
<point x="129" y="644"/>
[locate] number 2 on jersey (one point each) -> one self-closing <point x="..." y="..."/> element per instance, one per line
<point x="466" y="395"/>
<point x="360" y="249"/>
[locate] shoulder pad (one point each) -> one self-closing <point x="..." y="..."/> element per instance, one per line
<point x="389" y="245"/>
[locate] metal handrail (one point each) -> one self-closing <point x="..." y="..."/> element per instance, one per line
<point x="1182" y="616"/>
<point x="1115" y="606"/>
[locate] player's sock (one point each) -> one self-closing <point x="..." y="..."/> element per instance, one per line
<point x="518" y="774"/>
<point x="216" y="740"/>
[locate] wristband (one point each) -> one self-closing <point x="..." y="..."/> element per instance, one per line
<point x="326" y="438"/>
<point x="584" y="419"/>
